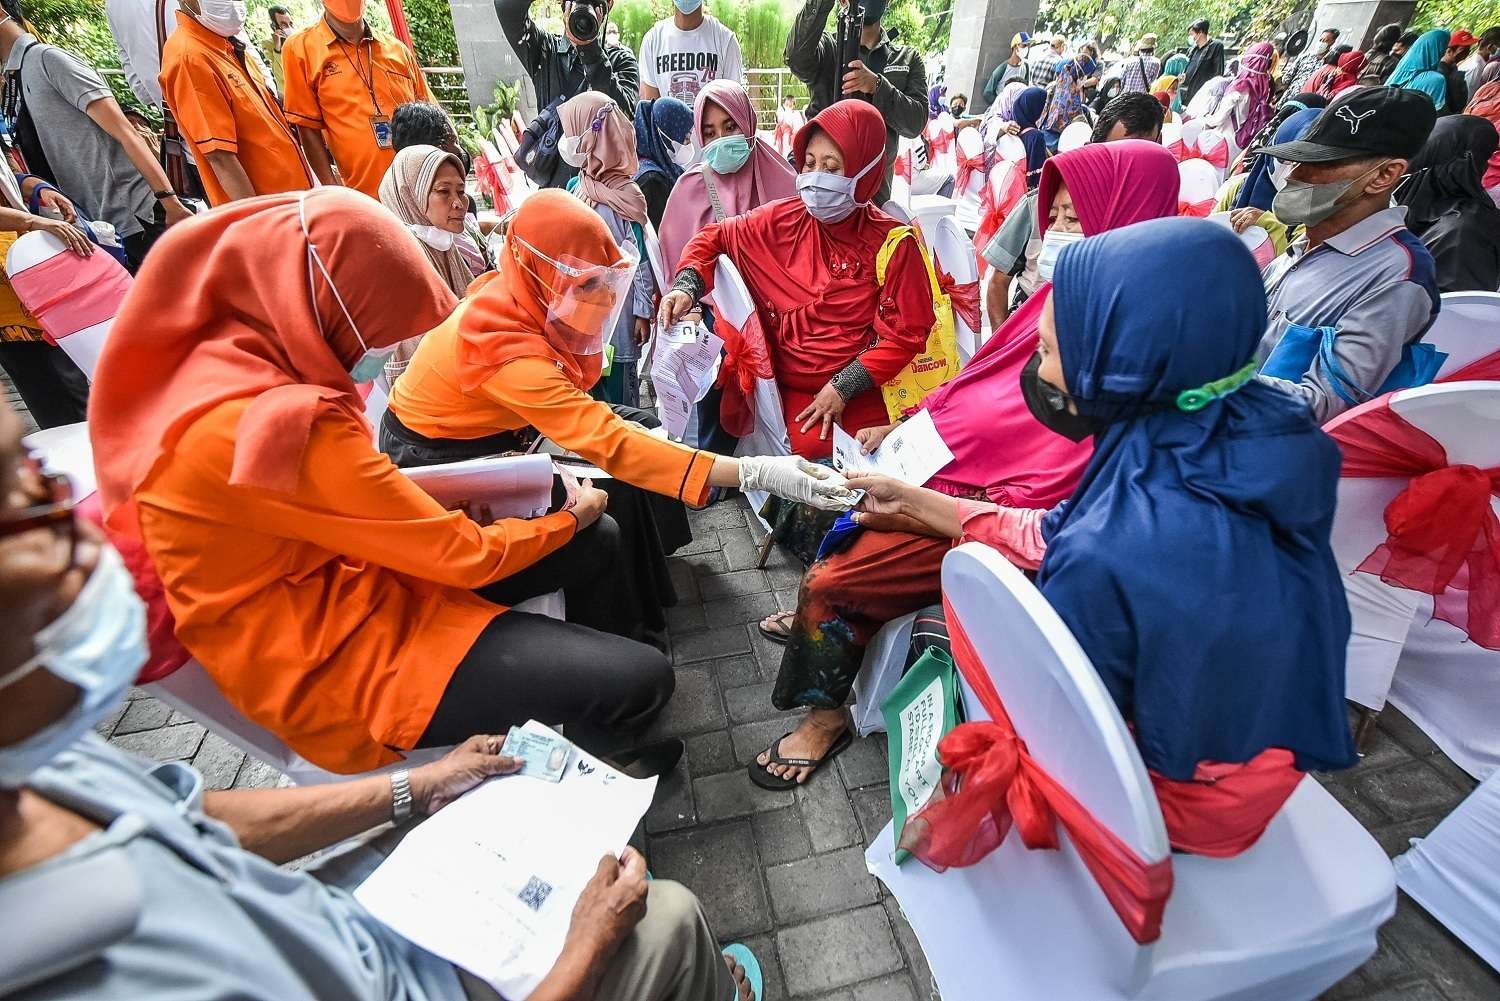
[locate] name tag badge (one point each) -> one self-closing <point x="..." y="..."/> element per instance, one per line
<point x="381" y="126"/>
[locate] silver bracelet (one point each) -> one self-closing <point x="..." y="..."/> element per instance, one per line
<point x="401" y="802"/>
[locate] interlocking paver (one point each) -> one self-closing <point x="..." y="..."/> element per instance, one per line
<point x="833" y="934"/>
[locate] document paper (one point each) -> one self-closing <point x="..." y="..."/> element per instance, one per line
<point x="489" y="882"/>
<point x="514" y="486"/>
<point x="912" y="453"/>
<point x="683" y="371"/>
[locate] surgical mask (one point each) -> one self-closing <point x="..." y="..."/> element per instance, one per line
<point x="727" y="154"/>
<point x="682" y="153"/>
<point x="1299" y="203"/>
<point x="1049" y="405"/>
<point x="1054" y="242"/>
<point x="1323" y="48"/>
<point x="688" y="6"/>
<point x="436" y="237"/>
<point x="222" y="17"/>
<point x="372" y="362"/>
<point x="97" y="644"/>
<point x="567" y="148"/>
<point x="829" y="197"/>
<point x="1280" y="172"/>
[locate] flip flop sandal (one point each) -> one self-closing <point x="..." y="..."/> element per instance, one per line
<point x="776" y="783"/>
<point x="773" y="635"/>
<point x="742" y="955"/>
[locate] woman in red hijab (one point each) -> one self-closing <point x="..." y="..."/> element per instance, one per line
<point x="332" y="601"/>
<point x="1350" y="66"/>
<point x="835" y="333"/>
<point x="1001" y="453"/>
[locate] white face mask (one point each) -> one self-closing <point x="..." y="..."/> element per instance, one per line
<point x="372" y="362"/>
<point x="830" y="197"/>
<point x="222" y="17"/>
<point x="1053" y="244"/>
<point x="683" y="154"/>
<point x="439" y="239"/>
<point x="567" y="148"/>
<point x="1280" y="172"/>
<point x="98" y="644"/>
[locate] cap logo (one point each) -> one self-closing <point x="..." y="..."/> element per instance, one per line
<point x="1354" y="118"/>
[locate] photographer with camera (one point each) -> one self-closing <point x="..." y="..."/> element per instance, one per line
<point x="562" y="66"/>
<point x="860" y="61"/>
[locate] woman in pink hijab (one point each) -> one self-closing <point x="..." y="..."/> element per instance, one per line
<point x="1001" y="453"/>
<point x="744" y="171"/>
<point x="1245" y="107"/>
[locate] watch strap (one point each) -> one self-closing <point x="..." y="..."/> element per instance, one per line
<point x="401" y="801"/>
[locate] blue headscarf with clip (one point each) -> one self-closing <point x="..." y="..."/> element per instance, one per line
<point x="1193" y="562"/>
<point x="664" y="116"/>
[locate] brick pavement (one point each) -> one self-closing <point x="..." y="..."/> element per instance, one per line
<point x="785" y="871"/>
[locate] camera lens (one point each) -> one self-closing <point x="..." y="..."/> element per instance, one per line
<point x="583" y="22"/>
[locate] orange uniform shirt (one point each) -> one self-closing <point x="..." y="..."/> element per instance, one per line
<point x="333" y="616"/>
<point x="344" y="89"/>
<point x="533" y="392"/>
<point x="222" y="104"/>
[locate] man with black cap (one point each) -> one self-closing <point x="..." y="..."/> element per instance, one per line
<point x="890" y="76"/>
<point x="1356" y="267"/>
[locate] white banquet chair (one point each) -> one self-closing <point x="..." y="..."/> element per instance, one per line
<point x="1284" y="920"/>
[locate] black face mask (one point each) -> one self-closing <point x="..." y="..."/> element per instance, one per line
<point x="959" y="108"/>
<point x="1049" y="405"/>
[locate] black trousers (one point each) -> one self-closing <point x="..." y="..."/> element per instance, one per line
<point x="137" y="244"/>
<point x="55" y="391"/>
<point x="605" y="689"/>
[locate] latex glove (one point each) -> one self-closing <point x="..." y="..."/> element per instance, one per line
<point x="794" y="478"/>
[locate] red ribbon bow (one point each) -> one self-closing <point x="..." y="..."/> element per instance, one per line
<point x="746" y="359"/>
<point x="1443" y="537"/>
<point x="964" y="297"/>
<point x="990" y="783"/>
<point x="967" y="166"/>
<point x="1197" y="210"/>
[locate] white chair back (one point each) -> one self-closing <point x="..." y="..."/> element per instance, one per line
<point x="66" y="450"/>
<point x="1466" y="329"/>
<point x="1199" y="181"/>
<point x="1010" y="148"/>
<point x="731" y="296"/>
<point x="895" y="209"/>
<point x="1452" y="874"/>
<point x="1075" y="135"/>
<point x="954" y="252"/>
<point x="970" y="143"/>
<point x="1190" y="133"/>
<point x="1171" y="132"/>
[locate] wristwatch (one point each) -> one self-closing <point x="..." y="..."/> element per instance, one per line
<point x="400" y="796"/>
<point x="162" y="196"/>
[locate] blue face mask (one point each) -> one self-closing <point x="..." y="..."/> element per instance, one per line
<point x="97" y="644"/>
<point x="688" y="6"/>
<point x="727" y="154"/>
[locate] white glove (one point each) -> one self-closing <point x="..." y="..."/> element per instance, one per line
<point x="794" y="478"/>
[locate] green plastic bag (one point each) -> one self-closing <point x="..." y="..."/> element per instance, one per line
<point x="919" y="712"/>
<point x="609" y="362"/>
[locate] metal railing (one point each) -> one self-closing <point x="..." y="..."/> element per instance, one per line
<point x="767" y="88"/>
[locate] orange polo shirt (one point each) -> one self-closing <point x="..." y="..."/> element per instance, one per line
<point x="342" y="88"/>
<point x="533" y="392"/>
<point x="335" y="615"/>
<point x="221" y="103"/>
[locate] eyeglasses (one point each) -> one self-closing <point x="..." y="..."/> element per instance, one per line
<point x="56" y="510"/>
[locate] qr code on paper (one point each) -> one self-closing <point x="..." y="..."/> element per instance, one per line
<point x="535" y="893"/>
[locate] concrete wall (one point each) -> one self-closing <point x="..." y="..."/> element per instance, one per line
<point x="487" y="57"/>
<point x="1358" y="20"/>
<point x="982" y="31"/>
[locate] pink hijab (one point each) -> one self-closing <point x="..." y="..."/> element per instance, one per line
<point x="607" y="143"/>
<point x="999" y="449"/>
<point x="1255" y="81"/>
<point x="765" y="177"/>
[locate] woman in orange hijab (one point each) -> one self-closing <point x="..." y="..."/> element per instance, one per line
<point x="331" y="600"/>
<point x="517" y="360"/>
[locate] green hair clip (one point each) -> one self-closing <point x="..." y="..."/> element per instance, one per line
<point x="1193" y="400"/>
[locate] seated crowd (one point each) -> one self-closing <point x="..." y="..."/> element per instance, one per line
<point x="250" y="518"/>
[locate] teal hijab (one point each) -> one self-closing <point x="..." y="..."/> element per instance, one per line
<point x="1418" y="69"/>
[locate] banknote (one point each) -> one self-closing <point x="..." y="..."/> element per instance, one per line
<point x="544" y="756"/>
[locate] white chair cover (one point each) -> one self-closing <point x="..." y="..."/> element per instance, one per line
<point x="732" y="298"/>
<point x="1075" y="135"/>
<point x="954" y="251"/>
<point x="1255" y="239"/>
<point x="1284" y="920"/>
<point x="1448" y="686"/>
<point x="1009" y="147"/>
<point x="970" y="144"/>
<point x="1452" y="871"/>
<point x="879" y="672"/>
<point x="1199" y="182"/>
<point x="82" y="346"/>
<point x="1466" y="329"/>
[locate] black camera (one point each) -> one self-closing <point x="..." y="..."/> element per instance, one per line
<point x="851" y="22"/>
<point x="584" y="19"/>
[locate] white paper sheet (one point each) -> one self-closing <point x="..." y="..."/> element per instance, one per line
<point x="682" y="373"/>
<point x="490" y="881"/>
<point x="66" y="450"/>
<point x="911" y="453"/>
<point x="514" y="486"/>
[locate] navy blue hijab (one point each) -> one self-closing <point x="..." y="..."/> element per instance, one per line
<point x="1257" y="191"/>
<point x="664" y="116"/>
<point x="1193" y="560"/>
<point x="1025" y="112"/>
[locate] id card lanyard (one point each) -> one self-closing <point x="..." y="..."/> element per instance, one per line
<point x="380" y="123"/>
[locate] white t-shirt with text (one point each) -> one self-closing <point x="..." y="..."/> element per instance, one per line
<point x="678" y="63"/>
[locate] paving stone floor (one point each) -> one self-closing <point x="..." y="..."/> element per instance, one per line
<point x="785" y="873"/>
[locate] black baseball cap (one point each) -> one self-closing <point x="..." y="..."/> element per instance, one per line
<point x="1370" y="121"/>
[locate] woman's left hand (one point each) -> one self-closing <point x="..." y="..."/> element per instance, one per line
<point x="827" y="406"/>
<point x="642" y="331"/>
<point x="435" y="785"/>
<point x="1243" y="219"/>
<point x="58" y="202"/>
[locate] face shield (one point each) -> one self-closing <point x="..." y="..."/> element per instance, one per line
<point x="585" y="300"/>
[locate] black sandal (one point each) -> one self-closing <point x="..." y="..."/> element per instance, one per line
<point x="773" y="635"/>
<point x="776" y="783"/>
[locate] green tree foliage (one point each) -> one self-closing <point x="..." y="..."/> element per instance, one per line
<point x="1474" y="15"/>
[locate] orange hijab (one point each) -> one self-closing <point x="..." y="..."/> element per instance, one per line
<point x="505" y="314"/>
<point x="222" y="310"/>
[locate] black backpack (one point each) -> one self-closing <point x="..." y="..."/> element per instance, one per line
<point x="537" y="153"/>
<point x="22" y="128"/>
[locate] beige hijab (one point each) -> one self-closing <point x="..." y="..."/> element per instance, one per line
<point x="404" y="191"/>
